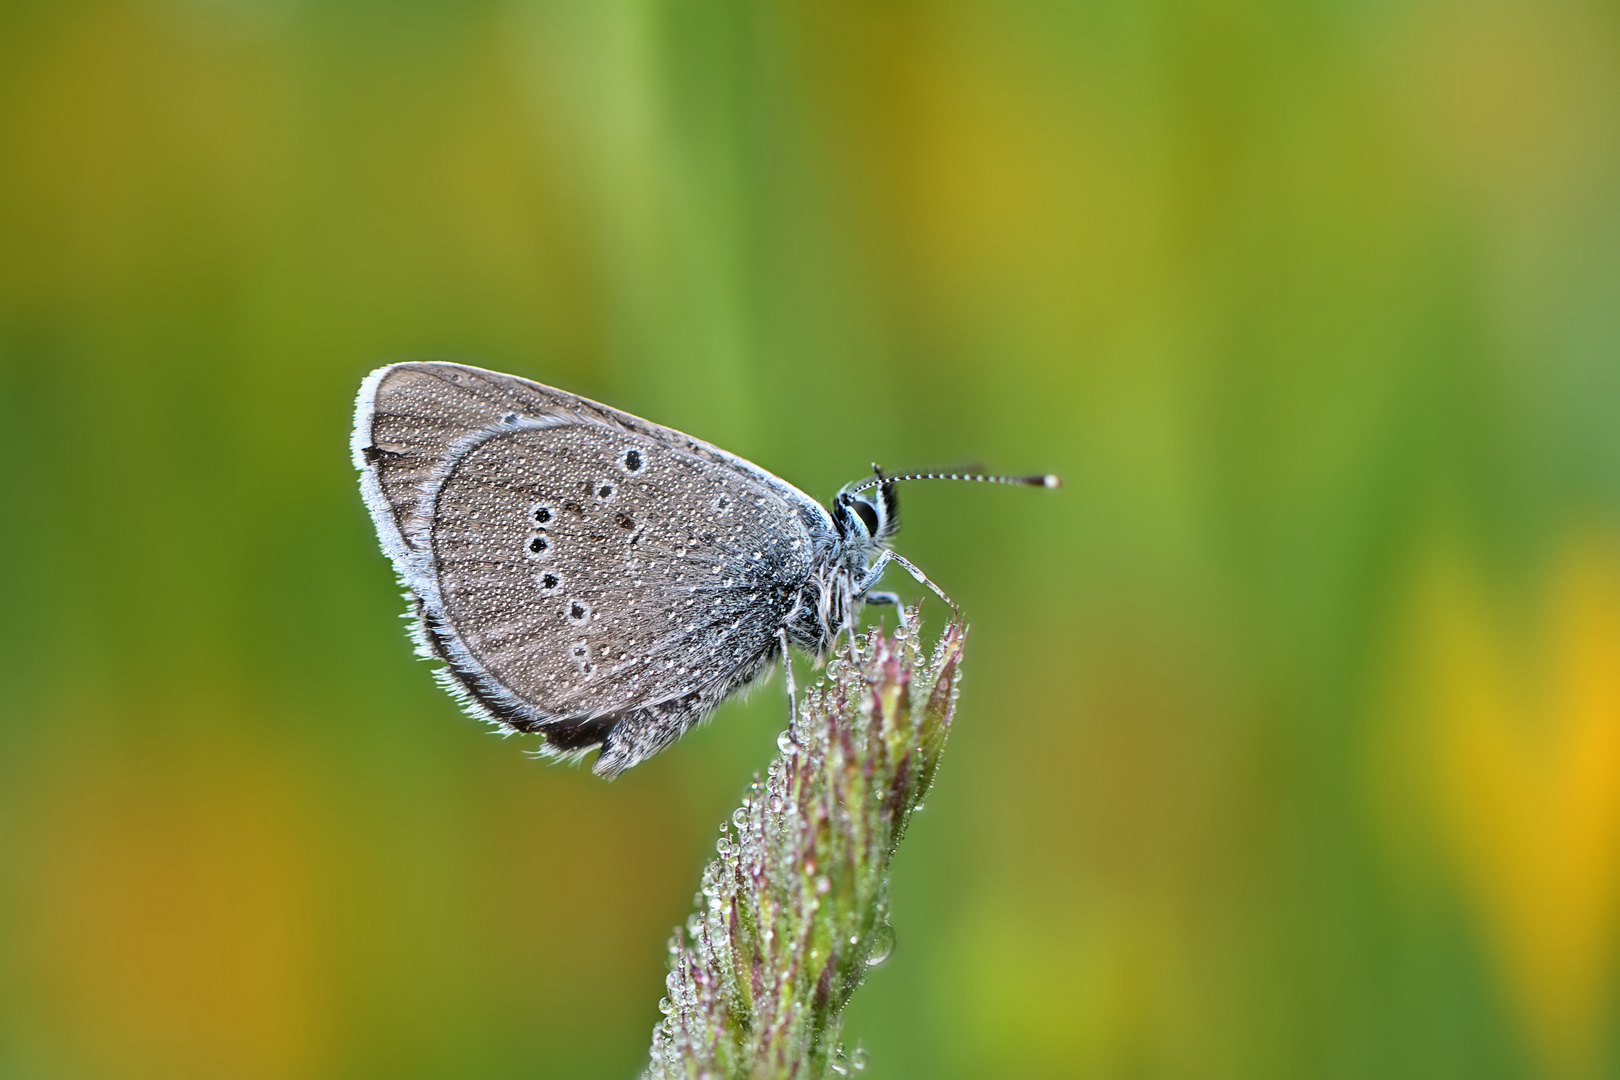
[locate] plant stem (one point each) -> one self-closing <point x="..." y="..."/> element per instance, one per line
<point x="794" y="909"/>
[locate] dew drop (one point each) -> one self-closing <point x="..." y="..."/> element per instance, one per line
<point x="882" y="944"/>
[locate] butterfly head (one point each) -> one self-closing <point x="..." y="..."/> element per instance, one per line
<point x="866" y="515"/>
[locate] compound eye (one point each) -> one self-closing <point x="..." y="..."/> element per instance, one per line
<point x="868" y="516"/>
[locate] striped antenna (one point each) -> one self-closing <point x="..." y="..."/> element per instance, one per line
<point x="1048" y="480"/>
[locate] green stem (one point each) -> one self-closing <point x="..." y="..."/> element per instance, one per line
<point x="794" y="909"/>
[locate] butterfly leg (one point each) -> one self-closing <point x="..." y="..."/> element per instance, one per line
<point x="882" y="564"/>
<point x="922" y="579"/>
<point x="787" y="672"/>
<point x="889" y="598"/>
<point x="870" y="578"/>
<point x="873" y="573"/>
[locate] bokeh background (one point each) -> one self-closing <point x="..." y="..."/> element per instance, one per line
<point x="1290" y="737"/>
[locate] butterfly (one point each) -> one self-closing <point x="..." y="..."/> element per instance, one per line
<point x="594" y="578"/>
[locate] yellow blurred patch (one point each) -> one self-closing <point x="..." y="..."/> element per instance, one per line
<point x="122" y="133"/>
<point x="168" y="916"/>
<point x="1507" y="740"/>
<point x="997" y="178"/>
<point x="1510" y="99"/>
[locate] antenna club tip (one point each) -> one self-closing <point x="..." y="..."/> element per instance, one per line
<point x="1050" y="480"/>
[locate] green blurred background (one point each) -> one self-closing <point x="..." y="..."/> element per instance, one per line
<point x="1290" y="737"/>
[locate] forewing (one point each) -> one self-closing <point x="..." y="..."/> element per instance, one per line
<point x="575" y="570"/>
<point x="411" y="418"/>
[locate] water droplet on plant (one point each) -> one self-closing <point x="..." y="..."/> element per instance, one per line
<point x="882" y="944"/>
<point x="785" y="743"/>
<point x="665" y="1007"/>
<point x="857" y="1058"/>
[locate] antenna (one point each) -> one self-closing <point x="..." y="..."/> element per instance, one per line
<point x="1047" y="480"/>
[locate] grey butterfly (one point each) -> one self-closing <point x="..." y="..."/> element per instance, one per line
<point x="591" y="577"/>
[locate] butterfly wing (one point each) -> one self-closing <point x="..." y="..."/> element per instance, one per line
<point x="408" y="418"/>
<point x="582" y="573"/>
